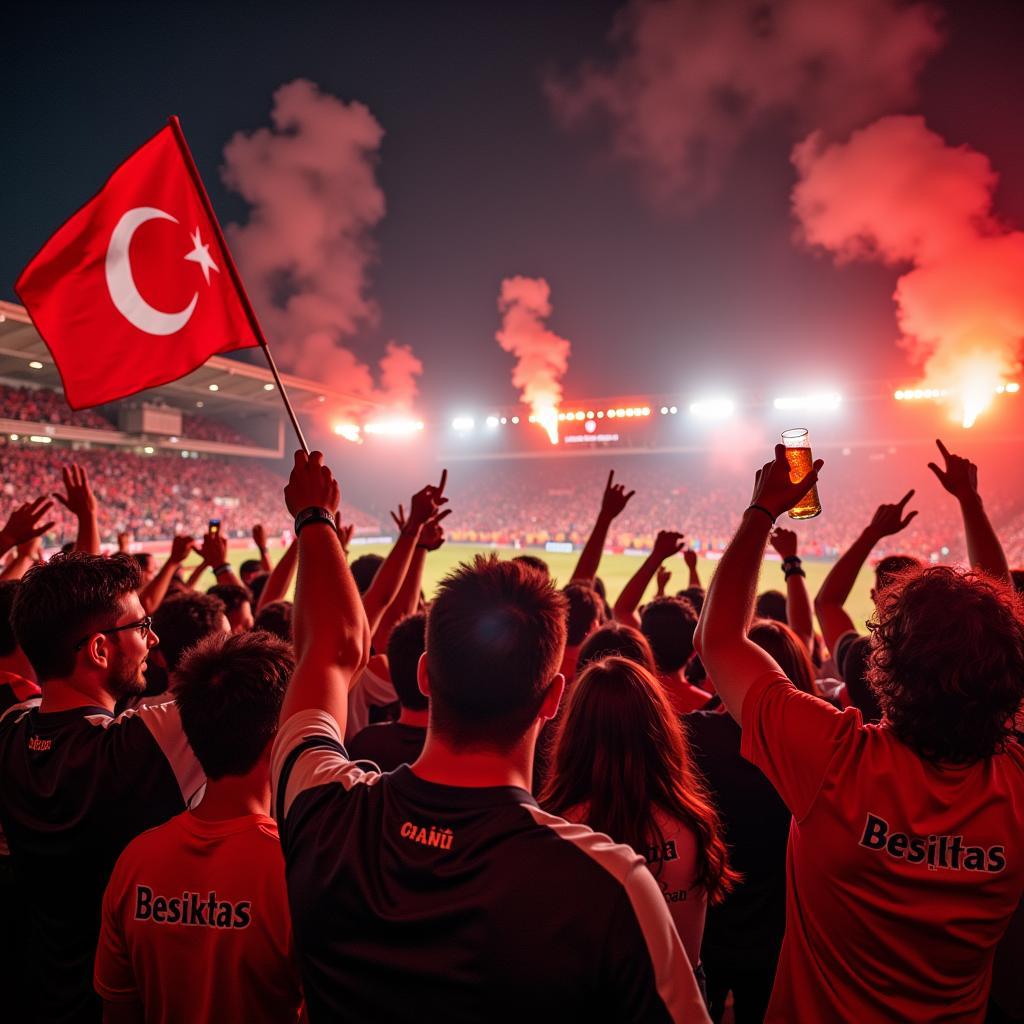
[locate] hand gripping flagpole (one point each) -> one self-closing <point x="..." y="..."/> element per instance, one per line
<point x="236" y="278"/>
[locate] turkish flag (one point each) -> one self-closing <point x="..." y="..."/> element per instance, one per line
<point x="137" y="288"/>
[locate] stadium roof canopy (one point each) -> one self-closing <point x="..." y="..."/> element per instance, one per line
<point x="241" y="388"/>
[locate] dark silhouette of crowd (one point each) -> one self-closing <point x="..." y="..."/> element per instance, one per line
<point x="504" y="800"/>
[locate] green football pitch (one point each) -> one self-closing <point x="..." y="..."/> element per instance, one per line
<point x="615" y="571"/>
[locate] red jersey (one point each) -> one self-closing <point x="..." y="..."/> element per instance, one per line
<point x="196" y="927"/>
<point x="902" y="875"/>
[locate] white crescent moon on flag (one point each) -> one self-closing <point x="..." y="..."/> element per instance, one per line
<point x="121" y="285"/>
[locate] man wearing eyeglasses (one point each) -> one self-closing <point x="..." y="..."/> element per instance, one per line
<point x="78" y="782"/>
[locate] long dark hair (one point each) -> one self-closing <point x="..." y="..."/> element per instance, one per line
<point x="621" y="751"/>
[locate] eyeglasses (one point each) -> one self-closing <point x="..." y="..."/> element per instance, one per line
<point x="143" y="626"/>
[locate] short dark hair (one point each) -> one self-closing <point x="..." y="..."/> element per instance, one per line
<point x="584" y="610"/>
<point x="233" y="595"/>
<point x="947" y="662"/>
<point x="8" y="591"/>
<point x="534" y="562"/>
<point x="276" y="618"/>
<point x="891" y="568"/>
<point x="229" y="689"/>
<point x="363" y="569"/>
<point x="1017" y="577"/>
<point x="495" y="638"/>
<point x="143" y="559"/>
<point x="669" y="624"/>
<point x="771" y="605"/>
<point x="183" y="620"/>
<point x="61" y="601"/>
<point x="250" y="565"/>
<point x="256" y="585"/>
<point x="695" y="595"/>
<point x="405" y="645"/>
<point x="616" y="639"/>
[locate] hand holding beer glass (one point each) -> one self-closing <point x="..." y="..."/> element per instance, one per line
<point x="798" y="455"/>
<point x="779" y="487"/>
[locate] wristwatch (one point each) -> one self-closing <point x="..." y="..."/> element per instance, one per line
<point x="313" y="514"/>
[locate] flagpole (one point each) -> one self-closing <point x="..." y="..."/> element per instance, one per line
<point x="236" y="278"/>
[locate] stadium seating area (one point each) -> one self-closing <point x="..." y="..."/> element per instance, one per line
<point x="153" y="497"/>
<point x="43" y="405"/>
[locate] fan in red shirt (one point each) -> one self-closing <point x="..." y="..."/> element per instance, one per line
<point x="195" y="917"/>
<point x="904" y="863"/>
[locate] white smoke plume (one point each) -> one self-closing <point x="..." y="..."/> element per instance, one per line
<point x="542" y="357"/>
<point x="306" y="249"/>
<point x="897" y="193"/>
<point x="691" y="79"/>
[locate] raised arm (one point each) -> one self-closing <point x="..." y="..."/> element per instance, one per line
<point x="430" y="539"/>
<point x="23" y="524"/>
<point x="259" y="535"/>
<point x="280" y="578"/>
<point x="332" y="636"/>
<point x="666" y="544"/>
<point x="388" y="581"/>
<point x="733" y="662"/>
<point x="690" y="558"/>
<point x="154" y="592"/>
<point x="214" y="553"/>
<point x="799" y="616"/>
<point x="26" y="555"/>
<point x="960" y="478"/>
<point x="833" y="618"/>
<point x="613" y="502"/>
<point x="81" y="502"/>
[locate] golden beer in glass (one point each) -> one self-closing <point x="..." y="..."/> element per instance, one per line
<point x="801" y="462"/>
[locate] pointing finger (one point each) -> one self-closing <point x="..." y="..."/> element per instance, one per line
<point x="611" y="477"/>
<point x="906" y="497"/>
<point x="942" y="448"/>
<point x="444" y="480"/>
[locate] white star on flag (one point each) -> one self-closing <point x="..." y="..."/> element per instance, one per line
<point x="201" y="255"/>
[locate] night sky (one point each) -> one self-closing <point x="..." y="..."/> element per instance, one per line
<point x="483" y="182"/>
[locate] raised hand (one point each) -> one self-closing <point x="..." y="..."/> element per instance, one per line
<point x="773" y="489"/>
<point x="180" y="548"/>
<point x="214" y="551"/>
<point x="311" y="484"/>
<point x="124" y="542"/>
<point x="23" y="523"/>
<point x="259" y="535"/>
<point x="889" y="519"/>
<point x="399" y="518"/>
<point x="667" y="543"/>
<point x="663" y="576"/>
<point x="78" y="499"/>
<point x="31" y="549"/>
<point x="615" y="498"/>
<point x="960" y="477"/>
<point x="690" y="558"/>
<point x="345" y="535"/>
<point x="784" y="541"/>
<point x="425" y="503"/>
<point x="432" y="534"/>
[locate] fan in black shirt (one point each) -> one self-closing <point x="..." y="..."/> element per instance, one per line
<point x="79" y="784"/>
<point x="441" y="889"/>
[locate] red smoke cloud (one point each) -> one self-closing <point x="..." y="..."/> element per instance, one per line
<point x="898" y="193"/>
<point x="306" y="249"/>
<point x="542" y="357"/>
<point x="692" y="78"/>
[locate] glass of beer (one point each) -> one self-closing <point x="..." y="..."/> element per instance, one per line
<point x="798" y="455"/>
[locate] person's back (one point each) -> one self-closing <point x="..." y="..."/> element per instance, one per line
<point x="79" y="783"/>
<point x="195" y="918"/>
<point x="441" y="889"/>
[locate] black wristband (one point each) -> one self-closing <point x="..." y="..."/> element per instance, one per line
<point x="761" y="508"/>
<point x="794" y="570"/>
<point x="792" y="560"/>
<point x="313" y="514"/>
<point x="226" y="567"/>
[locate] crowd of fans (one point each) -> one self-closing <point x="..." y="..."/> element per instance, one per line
<point x="44" y="405"/>
<point x="154" y="497"/>
<point x="203" y="428"/>
<point x="504" y="801"/>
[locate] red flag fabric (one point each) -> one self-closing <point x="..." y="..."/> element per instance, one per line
<point x="136" y="289"/>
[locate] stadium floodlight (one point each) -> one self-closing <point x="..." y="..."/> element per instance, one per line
<point x="1013" y="387"/>
<point x="349" y="431"/>
<point x="827" y="401"/>
<point x="673" y="409"/>
<point x="492" y="422"/>
<point x="713" y="408"/>
<point x="397" y="427"/>
<point x="515" y="419"/>
<point x="463" y="424"/>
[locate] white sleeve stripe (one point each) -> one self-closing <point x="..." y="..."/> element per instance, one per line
<point x="164" y="724"/>
<point x="307" y="753"/>
<point x="673" y="974"/>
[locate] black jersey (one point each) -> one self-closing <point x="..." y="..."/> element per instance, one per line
<point x="77" y="787"/>
<point x="415" y="901"/>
